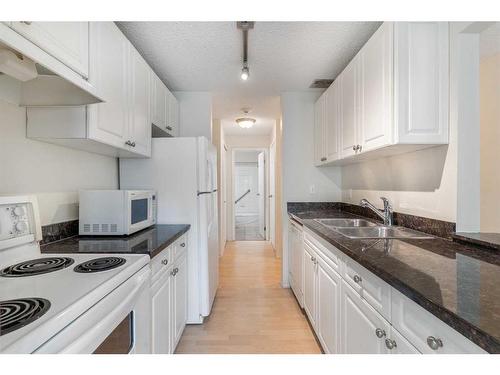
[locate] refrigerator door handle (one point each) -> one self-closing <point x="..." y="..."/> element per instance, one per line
<point x="204" y="192"/>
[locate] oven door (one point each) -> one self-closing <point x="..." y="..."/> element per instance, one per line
<point x="119" y="323"/>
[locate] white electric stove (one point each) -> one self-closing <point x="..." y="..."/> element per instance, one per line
<point x="67" y="303"/>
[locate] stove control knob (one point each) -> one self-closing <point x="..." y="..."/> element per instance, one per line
<point x="21" y="226"/>
<point x="19" y="211"/>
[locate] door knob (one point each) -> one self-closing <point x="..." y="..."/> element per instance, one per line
<point x="357" y="279"/>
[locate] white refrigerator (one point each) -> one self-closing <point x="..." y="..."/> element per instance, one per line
<point x="183" y="172"/>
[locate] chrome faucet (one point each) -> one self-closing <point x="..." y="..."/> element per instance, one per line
<point x="385" y="214"/>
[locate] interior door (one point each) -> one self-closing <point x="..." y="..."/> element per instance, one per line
<point x="261" y="194"/>
<point x="272" y="194"/>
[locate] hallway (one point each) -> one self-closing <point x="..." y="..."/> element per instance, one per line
<point x="251" y="313"/>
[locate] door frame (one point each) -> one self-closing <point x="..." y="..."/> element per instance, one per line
<point x="266" y="189"/>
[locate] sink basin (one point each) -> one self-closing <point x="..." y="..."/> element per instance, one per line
<point x="345" y="223"/>
<point x="377" y="232"/>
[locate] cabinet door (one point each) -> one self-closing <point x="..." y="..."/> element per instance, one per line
<point x="66" y="41"/>
<point x="319" y="152"/>
<point x="109" y="73"/>
<point x="349" y="112"/>
<point x="140" y="124"/>
<point x="359" y="323"/>
<point x="172" y="113"/>
<point x="180" y="297"/>
<point x="399" y="345"/>
<point x="375" y="90"/>
<point x="161" y="300"/>
<point x="328" y="324"/>
<point x="332" y="122"/>
<point x="309" y="282"/>
<point x="421" y="85"/>
<point x="159" y="103"/>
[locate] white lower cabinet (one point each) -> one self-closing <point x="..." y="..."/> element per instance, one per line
<point x="328" y="302"/>
<point x="309" y="284"/>
<point x="295" y="244"/>
<point x="169" y="297"/>
<point x="180" y="293"/>
<point x="352" y="311"/>
<point x="361" y="325"/>
<point x="161" y="301"/>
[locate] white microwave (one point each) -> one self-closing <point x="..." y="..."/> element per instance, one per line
<point x="116" y="212"/>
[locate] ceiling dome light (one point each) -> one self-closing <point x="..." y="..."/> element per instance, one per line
<point x="245" y="122"/>
<point x="245" y="72"/>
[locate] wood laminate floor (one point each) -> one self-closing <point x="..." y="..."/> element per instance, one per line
<point x="251" y="312"/>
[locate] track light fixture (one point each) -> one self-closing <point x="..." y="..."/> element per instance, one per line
<point x="244" y="26"/>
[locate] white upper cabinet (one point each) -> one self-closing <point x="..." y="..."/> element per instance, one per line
<point x="109" y="72"/>
<point x="375" y="92"/>
<point x="421" y="55"/>
<point x="158" y="102"/>
<point x="319" y="141"/>
<point x="349" y="109"/>
<point x="326" y="121"/>
<point x="332" y="121"/>
<point x="66" y="41"/>
<point x="120" y="126"/>
<point x="393" y="94"/>
<point x="172" y="115"/>
<point x="139" y="127"/>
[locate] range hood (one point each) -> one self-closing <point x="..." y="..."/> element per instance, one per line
<point x="30" y="76"/>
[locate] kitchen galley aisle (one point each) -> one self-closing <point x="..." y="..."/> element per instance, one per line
<point x="251" y="313"/>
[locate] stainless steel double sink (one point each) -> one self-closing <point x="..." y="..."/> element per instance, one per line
<point x="364" y="229"/>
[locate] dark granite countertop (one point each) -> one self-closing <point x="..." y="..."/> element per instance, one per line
<point x="150" y="241"/>
<point x="457" y="283"/>
<point x="489" y="240"/>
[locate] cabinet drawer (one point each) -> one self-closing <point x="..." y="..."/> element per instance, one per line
<point x="373" y="289"/>
<point x="328" y="253"/>
<point x="180" y="246"/>
<point x="420" y="326"/>
<point x="162" y="261"/>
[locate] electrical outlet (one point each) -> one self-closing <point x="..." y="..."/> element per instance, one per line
<point x="312" y="189"/>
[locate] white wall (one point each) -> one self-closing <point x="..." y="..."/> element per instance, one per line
<point x="195" y="112"/>
<point x="299" y="175"/>
<point x="422" y="183"/>
<point x="53" y="173"/>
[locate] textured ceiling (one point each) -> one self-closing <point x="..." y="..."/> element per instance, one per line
<point x="283" y="56"/>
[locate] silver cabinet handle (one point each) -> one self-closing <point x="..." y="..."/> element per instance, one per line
<point x="434" y="343"/>
<point x="174" y="271"/>
<point x="164" y="262"/>
<point x="26" y="22"/>
<point x="132" y="144"/>
<point x="270" y="195"/>
<point x="183" y="244"/>
<point x="313" y="259"/>
<point x="323" y="159"/>
<point x="128" y="143"/>
<point x="169" y="128"/>
<point x="354" y="148"/>
<point x="357" y="279"/>
<point x="379" y="333"/>
<point x="390" y="344"/>
<point x="359" y="148"/>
